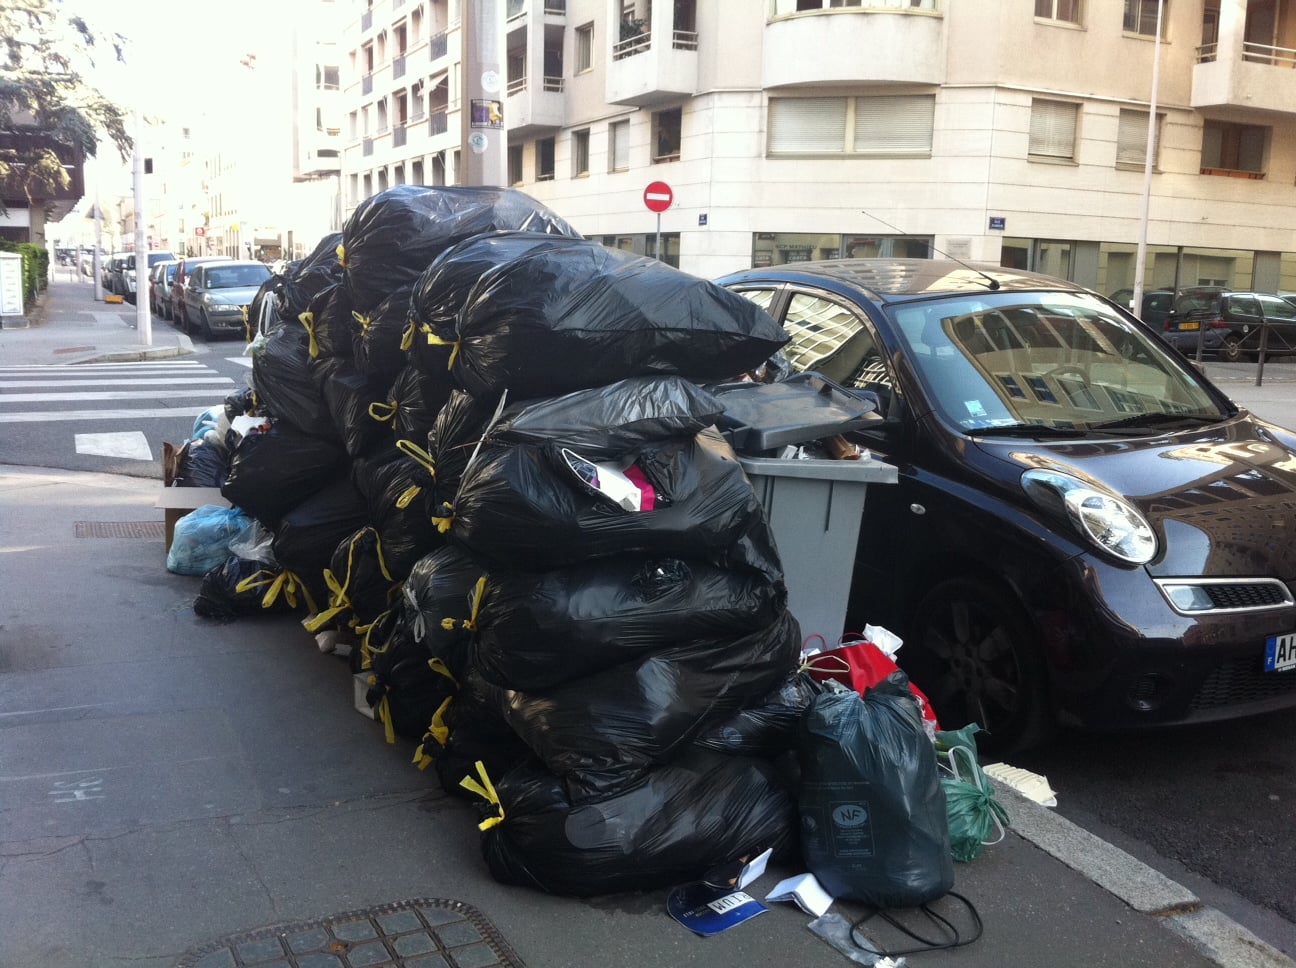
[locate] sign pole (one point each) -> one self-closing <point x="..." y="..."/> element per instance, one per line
<point x="657" y="244"/>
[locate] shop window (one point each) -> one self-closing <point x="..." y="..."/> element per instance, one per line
<point x="1233" y="148"/>
<point x="1053" y="129"/>
<point x="666" y="135"/>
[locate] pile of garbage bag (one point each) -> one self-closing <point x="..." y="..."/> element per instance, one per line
<point x="480" y="451"/>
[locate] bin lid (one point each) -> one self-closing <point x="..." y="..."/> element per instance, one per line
<point x="806" y="406"/>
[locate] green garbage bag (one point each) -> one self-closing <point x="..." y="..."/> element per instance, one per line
<point x="976" y="818"/>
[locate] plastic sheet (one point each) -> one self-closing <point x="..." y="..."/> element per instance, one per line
<point x="582" y="315"/>
<point x="329" y="325"/>
<point x="274" y="471"/>
<point x="414" y="402"/>
<point x="378" y="338"/>
<point x="395" y="492"/>
<point x="281" y="377"/>
<point x="684" y="818"/>
<point x="240" y="403"/>
<point x="202" y="537"/>
<point x="392" y="236"/>
<point x="200" y="464"/>
<point x="349" y="394"/>
<point x="538" y="630"/>
<point x="458" y="427"/>
<point x="406" y="692"/>
<point x="602" y="732"/>
<point x="438" y="603"/>
<point x="303" y="280"/>
<point x="311" y="531"/>
<point x="873" y="816"/>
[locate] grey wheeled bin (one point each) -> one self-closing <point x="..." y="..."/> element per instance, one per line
<point x="814" y="509"/>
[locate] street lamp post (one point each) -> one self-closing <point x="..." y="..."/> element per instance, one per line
<point x="1149" y="155"/>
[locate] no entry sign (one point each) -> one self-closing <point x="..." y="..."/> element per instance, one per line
<point x="658" y="196"/>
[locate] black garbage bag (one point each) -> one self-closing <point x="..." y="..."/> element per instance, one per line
<point x="873" y="820"/>
<point x="458" y="427"/>
<point x="361" y="586"/>
<point x="522" y="506"/>
<point x="602" y="732"/>
<point x="349" y="395"/>
<point x="470" y="730"/>
<point x="583" y="315"/>
<point x="408" y="693"/>
<point x="329" y="326"/>
<point x="396" y="492"/>
<point x="310" y="532"/>
<point x="305" y="278"/>
<point x="379" y="337"/>
<point x="281" y="377"/>
<point x="686" y="817"/>
<point x="245" y="587"/>
<point x="413" y="403"/>
<point x="241" y="402"/>
<point x="200" y="464"/>
<point x="274" y="471"/>
<point x="442" y="289"/>
<point x="605" y="422"/>
<point x="392" y="236"/>
<point x="438" y="598"/>
<point x="264" y="307"/>
<point x="536" y="630"/>
<point x="769" y="727"/>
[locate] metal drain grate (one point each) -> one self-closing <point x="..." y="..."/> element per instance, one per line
<point x="120" y="529"/>
<point x="421" y="933"/>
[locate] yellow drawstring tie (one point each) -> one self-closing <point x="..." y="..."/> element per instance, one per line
<point x="341" y="254"/>
<point x="486" y="790"/>
<point x="383" y="411"/>
<point x="438" y="731"/>
<point x="308" y="320"/>
<point x="285" y="582"/>
<point x="411" y="449"/>
<point x="435" y="340"/>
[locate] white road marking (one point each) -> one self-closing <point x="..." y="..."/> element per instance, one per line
<point x="20" y="384"/>
<point x="241" y="360"/>
<point x="129" y="444"/>
<point x="89" y="415"/>
<point x="105" y="395"/>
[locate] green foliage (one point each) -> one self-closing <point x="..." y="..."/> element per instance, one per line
<point x="35" y="260"/>
<point x="41" y="92"/>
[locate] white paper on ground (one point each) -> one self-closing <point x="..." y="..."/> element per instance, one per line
<point x="805" y="890"/>
<point x="1028" y="784"/>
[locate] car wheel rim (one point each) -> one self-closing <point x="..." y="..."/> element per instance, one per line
<point x="977" y="671"/>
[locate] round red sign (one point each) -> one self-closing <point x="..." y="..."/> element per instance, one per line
<point x="658" y="196"/>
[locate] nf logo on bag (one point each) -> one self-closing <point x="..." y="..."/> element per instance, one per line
<point x="850" y="815"/>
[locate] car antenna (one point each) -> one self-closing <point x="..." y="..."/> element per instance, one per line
<point x="991" y="282"/>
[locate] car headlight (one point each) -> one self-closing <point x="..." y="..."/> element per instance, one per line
<point x="1110" y="523"/>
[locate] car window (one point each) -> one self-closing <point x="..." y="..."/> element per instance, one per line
<point x="1243" y="305"/>
<point x="1053" y="359"/>
<point x="832" y="338"/>
<point x="1196" y="301"/>
<point x="236" y="277"/>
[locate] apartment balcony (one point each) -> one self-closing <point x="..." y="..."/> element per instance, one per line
<point x="438" y="45"/>
<point x="904" y="45"/>
<point x="398" y="66"/>
<point x="532" y="111"/>
<point x="398" y="136"/>
<point x="652" y="67"/>
<point x="438" y="123"/>
<point x="1257" y="78"/>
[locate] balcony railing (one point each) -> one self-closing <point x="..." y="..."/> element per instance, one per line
<point x="685" y="40"/>
<point x="398" y="136"/>
<point x="1265" y="54"/>
<point x="555" y="8"/>
<point x="398" y="66"/>
<point x="553" y="85"/>
<point x="366" y="146"/>
<point x="437" y="122"/>
<point x="438" y="45"/>
<point x="366" y="84"/>
<point x="633" y="45"/>
<point x="517" y="85"/>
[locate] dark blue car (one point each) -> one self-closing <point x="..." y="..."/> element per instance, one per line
<point x="1085" y="530"/>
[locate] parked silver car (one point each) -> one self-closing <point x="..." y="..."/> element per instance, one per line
<point x="216" y="295"/>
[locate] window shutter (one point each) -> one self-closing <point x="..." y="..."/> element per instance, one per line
<point x="894" y="124"/>
<point x="1131" y="139"/>
<point x="1052" y="129"/>
<point x="807" y="124"/>
<point x="620" y="145"/>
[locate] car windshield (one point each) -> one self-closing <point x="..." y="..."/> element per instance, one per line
<point x="236" y="277"/>
<point x="1046" y="361"/>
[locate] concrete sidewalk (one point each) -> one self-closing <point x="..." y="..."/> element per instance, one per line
<point x="168" y="782"/>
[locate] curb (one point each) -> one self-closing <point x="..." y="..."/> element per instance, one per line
<point x="1144" y="889"/>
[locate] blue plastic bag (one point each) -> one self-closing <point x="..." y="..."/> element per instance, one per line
<point x="202" y="539"/>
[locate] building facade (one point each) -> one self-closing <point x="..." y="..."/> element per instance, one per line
<point x="1012" y="132"/>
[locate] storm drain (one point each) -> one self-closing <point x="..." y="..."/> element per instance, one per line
<point x="120" y="529"/>
<point x="422" y="933"/>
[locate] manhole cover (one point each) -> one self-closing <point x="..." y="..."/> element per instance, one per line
<point x="120" y="529"/>
<point x="423" y="933"/>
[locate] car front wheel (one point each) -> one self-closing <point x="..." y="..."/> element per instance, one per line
<point x="972" y="652"/>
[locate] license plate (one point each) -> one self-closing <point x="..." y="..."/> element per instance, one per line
<point x="1183" y="326"/>
<point x="1280" y="652"/>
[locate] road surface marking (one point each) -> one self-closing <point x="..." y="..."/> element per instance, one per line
<point x="128" y="444"/>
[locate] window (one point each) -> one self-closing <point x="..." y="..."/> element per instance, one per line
<point x="1052" y="129"/>
<point x="1131" y="139"/>
<point x="833" y="340"/>
<point x="580" y="153"/>
<point x="1233" y="147"/>
<point x="619" y="146"/>
<point x="584" y="48"/>
<point x="544" y="159"/>
<point x="1067" y="11"/>
<point x="896" y="124"/>
<point x="515" y="164"/>
<point x="1141" y="17"/>
<point x="666" y="135"/>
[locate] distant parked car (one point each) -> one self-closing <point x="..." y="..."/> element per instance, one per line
<point x="217" y="295"/>
<point x="1229" y="323"/>
<point x="110" y="274"/>
<point x="129" y="272"/>
<point x="159" y="287"/>
<point x="1156" y="304"/>
<point x="176" y="301"/>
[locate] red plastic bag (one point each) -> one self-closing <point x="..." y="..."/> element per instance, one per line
<point x="861" y="665"/>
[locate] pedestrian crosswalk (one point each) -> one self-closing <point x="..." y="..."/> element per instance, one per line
<point x="106" y="391"/>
